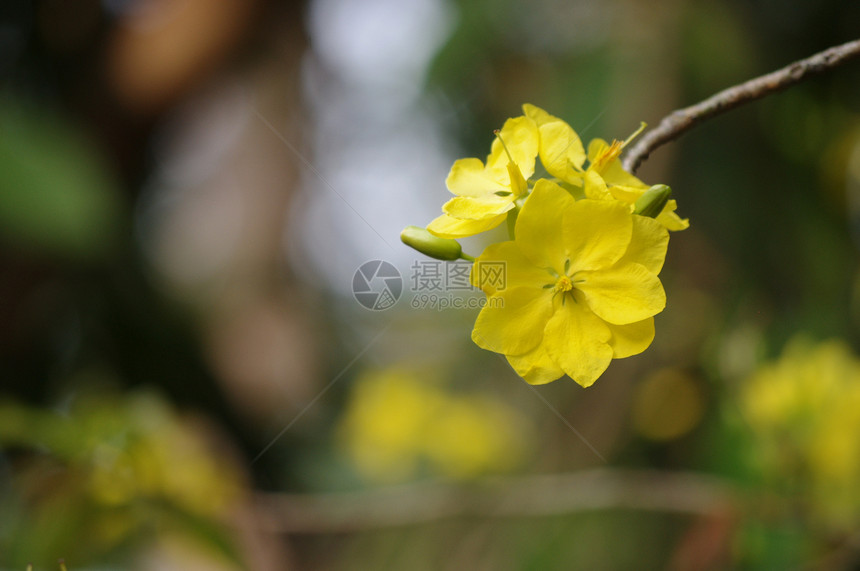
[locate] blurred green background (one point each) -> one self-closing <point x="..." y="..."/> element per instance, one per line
<point x="187" y="382"/>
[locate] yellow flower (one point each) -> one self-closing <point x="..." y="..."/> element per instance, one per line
<point x="486" y="192"/>
<point x="562" y="155"/>
<point x="474" y="435"/>
<point x="804" y="414"/>
<point x="385" y="422"/>
<point x="581" y="287"/>
<point x="560" y="148"/>
<point x="397" y="423"/>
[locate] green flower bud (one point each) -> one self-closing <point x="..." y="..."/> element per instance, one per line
<point x="652" y="201"/>
<point x="422" y="240"/>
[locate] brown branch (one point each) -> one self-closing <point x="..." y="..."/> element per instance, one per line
<point x="530" y="496"/>
<point x="679" y="121"/>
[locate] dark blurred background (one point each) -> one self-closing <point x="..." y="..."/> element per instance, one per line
<point x="187" y="189"/>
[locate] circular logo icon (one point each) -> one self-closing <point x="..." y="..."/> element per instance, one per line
<point x="377" y="285"/>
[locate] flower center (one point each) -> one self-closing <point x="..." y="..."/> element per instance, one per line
<point x="612" y="152"/>
<point x="563" y="285"/>
<point x="608" y="155"/>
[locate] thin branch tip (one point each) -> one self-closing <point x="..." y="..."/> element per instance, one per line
<point x="679" y="121"/>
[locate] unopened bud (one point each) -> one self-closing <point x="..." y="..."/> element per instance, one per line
<point x="422" y="240"/>
<point x="652" y="201"/>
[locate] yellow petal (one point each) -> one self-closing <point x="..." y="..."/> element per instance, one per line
<point x="513" y="320"/>
<point x="612" y="172"/>
<point x="536" y="366"/>
<point x="631" y="339"/>
<point x="670" y="220"/>
<point x="577" y="340"/>
<point x="595" y="187"/>
<point x="503" y="266"/>
<point x="449" y="227"/>
<point x="518" y="184"/>
<point x="539" y="225"/>
<point x="596" y="233"/>
<point x="648" y="244"/>
<point x="538" y="115"/>
<point x="477" y="208"/>
<point x="628" y="194"/>
<point x="624" y="293"/>
<point x="561" y="150"/>
<point x="468" y="177"/>
<point x="520" y="135"/>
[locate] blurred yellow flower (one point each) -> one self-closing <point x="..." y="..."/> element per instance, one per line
<point x="119" y="469"/>
<point x="581" y="287"/>
<point x="398" y="424"/>
<point x="475" y="434"/>
<point x="667" y="404"/>
<point x="804" y="410"/>
<point x="154" y="455"/>
<point x="163" y="463"/>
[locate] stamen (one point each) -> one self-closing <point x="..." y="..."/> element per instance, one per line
<point x="498" y="134"/>
<point x="563" y="285"/>
<point x="608" y="155"/>
<point x="635" y="134"/>
<point x="613" y="151"/>
<point x="519" y="186"/>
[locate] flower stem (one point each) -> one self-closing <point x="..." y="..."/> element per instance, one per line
<point x="679" y="121"/>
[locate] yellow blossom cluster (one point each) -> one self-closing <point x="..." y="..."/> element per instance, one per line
<point x="577" y="282"/>
<point x="118" y="467"/>
<point x="804" y="413"/>
<point x="398" y="425"/>
<point x="156" y="455"/>
<point x="128" y="451"/>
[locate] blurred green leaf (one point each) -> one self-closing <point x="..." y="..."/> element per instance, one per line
<point x="56" y="194"/>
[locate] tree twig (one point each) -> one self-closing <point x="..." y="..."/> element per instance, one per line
<point x="679" y="121"/>
<point x="530" y="496"/>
